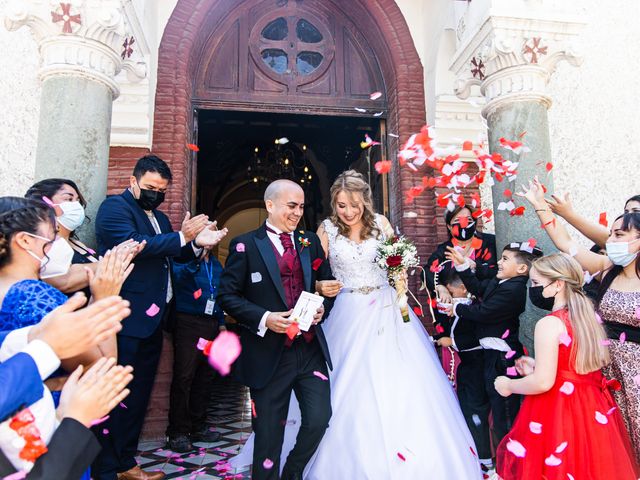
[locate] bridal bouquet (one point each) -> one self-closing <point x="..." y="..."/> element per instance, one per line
<point x="396" y="255"/>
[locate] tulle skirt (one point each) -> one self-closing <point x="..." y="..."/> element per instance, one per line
<point x="395" y="414"/>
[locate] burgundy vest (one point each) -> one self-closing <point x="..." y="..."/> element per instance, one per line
<point x="292" y="278"/>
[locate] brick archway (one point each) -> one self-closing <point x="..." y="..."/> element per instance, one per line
<point x="403" y="75"/>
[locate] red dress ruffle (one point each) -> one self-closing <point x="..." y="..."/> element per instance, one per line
<point x="573" y="431"/>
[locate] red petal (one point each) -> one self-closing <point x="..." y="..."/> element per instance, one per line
<point x="476" y="243"/>
<point x="197" y="294"/>
<point x="603" y="219"/>
<point x="467" y="145"/>
<point x="417" y="310"/>
<point x="508" y="193"/>
<point x="549" y="166"/>
<point x="464" y="222"/>
<point x="193" y="147"/>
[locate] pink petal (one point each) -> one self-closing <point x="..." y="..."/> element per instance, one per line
<point x="565" y="339"/>
<point x="267" y="464"/>
<point x="512" y="372"/>
<point x="505" y="334"/>
<point x="98" y="421"/>
<point x="600" y="418"/>
<point x="516" y="448"/>
<point x="510" y="354"/>
<point x="225" y="349"/>
<point x="17" y="475"/>
<point x="611" y="410"/>
<point x="552" y="461"/>
<point x="240" y="247"/>
<point x="636" y="380"/>
<point x="320" y="375"/>
<point x="105" y="431"/>
<point x="598" y="318"/>
<point x="623" y="337"/>
<point x="202" y="342"/>
<point x="561" y="448"/>
<point x="567" y="388"/>
<point x="401" y="457"/>
<point x="153" y="310"/>
<point x="570" y="477"/>
<point x="372" y="302"/>
<point x="535" y="427"/>
<point x="375" y="95"/>
<point x="606" y="342"/>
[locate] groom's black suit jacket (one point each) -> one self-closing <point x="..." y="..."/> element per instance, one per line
<point x="251" y="285"/>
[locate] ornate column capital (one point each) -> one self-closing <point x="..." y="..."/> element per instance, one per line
<point x="86" y="38"/>
<point x="511" y="56"/>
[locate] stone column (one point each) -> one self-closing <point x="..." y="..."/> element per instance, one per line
<point x="511" y="59"/>
<point x="83" y="45"/>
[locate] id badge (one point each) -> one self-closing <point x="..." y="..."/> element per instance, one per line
<point x="208" y="309"/>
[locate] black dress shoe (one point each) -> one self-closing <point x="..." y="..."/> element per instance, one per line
<point x="179" y="444"/>
<point x="206" y="436"/>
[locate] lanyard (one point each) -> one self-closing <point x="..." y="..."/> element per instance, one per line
<point x="209" y="270"/>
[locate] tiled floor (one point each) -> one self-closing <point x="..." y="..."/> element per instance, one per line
<point x="230" y="412"/>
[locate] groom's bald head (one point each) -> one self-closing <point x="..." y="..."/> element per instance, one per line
<point x="284" y="201"/>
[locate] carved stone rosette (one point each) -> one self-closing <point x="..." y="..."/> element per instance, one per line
<point x="86" y="38"/>
<point x="511" y="59"/>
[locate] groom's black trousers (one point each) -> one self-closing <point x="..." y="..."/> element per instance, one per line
<point x="295" y="372"/>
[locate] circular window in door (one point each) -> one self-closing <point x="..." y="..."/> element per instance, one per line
<point x="291" y="46"/>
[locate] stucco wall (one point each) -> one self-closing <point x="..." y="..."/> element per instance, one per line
<point x="20" y="101"/>
<point x="595" y="117"/>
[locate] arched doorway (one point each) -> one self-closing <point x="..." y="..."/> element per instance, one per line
<point x="229" y="55"/>
<point x="289" y="56"/>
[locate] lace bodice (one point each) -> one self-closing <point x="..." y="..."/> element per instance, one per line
<point x="354" y="263"/>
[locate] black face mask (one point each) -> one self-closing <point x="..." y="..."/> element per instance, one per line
<point x="460" y="233"/>
<point x="544" y="303"/>
<point x="149" y="199"/>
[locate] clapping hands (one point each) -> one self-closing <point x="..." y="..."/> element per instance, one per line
<point x="113" y="269"/>
<point x="210" y="236"/>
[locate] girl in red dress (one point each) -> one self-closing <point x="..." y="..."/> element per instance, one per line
<point x="569" y="427"/>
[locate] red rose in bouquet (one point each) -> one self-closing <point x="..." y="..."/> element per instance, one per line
<point x="394" y="261"/>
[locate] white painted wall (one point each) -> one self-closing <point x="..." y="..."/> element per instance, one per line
<point x="20" y="101"/>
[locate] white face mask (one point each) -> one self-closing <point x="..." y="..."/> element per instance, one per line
<point x="59" y="257"/>
<point x="72" y="215"/>
<point x="618" y="253"/>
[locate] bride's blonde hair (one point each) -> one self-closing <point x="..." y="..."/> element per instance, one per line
<point x="354" y="185"/>
<point x="589" y="352"/>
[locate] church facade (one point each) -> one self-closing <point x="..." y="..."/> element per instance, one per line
<point x="234" y="93"/>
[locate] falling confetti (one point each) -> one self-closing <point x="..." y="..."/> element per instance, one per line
<point x="225" y="349"/>
<point x="561" y="448"/>
<point x="516" y="448"/>
<point x="375" y="95"/>
<point x="601" y="418"/>
<point x="383" y="166"/>
<point x="552" y="461"/>
<point x="512" y="372"/>
<point x="564" y="339"/>
<point x="99" y="421"/>
<point x="197" y="294"/>
<point x="535" y="427"/>
<point x="193" y="147"/>
<point x="153" y="310"/>
<point x="240" y="247"/>
<point x="320" y="375"/>
<point x="567" y="388"/>
<point x="602" y="219"/>
<point x="267" y="464"/>
<point x="401" y="457"/>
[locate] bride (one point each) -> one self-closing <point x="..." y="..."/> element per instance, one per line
<point x="395" y="415"/>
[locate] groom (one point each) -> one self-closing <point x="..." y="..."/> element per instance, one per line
<point x="265" y="273"/>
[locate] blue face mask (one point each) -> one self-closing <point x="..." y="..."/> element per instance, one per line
<point x="618" y="253"/>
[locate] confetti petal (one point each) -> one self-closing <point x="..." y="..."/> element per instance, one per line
<point x="535" y="427"/>
<point x="193" y="147"/>
<point x="267" y="464"/>
<point x="512" y="372"/>
<point x="601" y="418"/>
<point x="552" y="461"/>
<point x="292" y="330"/>
<point x="561" y="448"/>
<point x="505" y="334"/>
<point x="225" y="349"/>
<point x="510" y="354"/>
<point x="98" y="421"/>
<point x="240" y="247"/>
<point x="602" y="219"/>
<point x="401" y="457"/>
<point x="623" y="337"/>
<point x="105" y="431"/>
<point x="197" y="294"/>
<point x="320" y="375"/>
<point x="383" y="166"/>
<point x="153" y="310"/>
<point x="565" y="339"/>
<point x="375" y="95"/>
<point x="567" y="388"/>
<point x="516" y="448"/>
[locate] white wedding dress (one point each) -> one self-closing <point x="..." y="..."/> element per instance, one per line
<point x="395" y="414"/>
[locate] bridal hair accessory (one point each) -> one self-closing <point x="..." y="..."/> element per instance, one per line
<point x="396" y="255"/>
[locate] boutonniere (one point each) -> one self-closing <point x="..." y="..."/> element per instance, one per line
<point x="304" y="241"/>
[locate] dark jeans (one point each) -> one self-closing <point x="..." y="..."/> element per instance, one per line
<point x="120" y="444"/>
<point x="294" y="373"/>
<point x="192" y="375"/>
<point x="474" y="401"/>
<point x="503" y="409"/>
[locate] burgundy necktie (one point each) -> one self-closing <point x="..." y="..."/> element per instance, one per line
<point x="289" y="254"/>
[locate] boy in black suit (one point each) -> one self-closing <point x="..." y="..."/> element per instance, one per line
<point x="496" y="318"/>
<point x="470" y="385"/>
